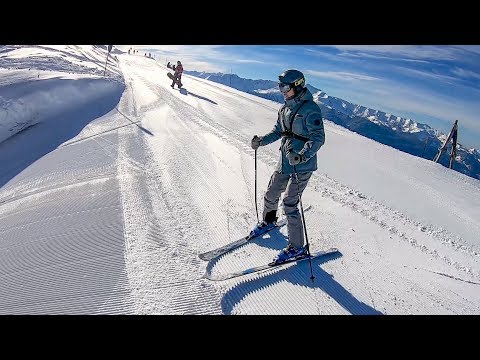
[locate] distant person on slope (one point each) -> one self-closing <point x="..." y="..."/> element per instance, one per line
<point x="177" y="75"/>
<point x="300" y="126"/>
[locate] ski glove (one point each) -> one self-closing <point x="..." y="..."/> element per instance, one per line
<point x="256" y="142"/>
<point x="295" y="158"/>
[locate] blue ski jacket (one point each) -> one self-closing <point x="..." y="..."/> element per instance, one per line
<point x="300" y="126"/>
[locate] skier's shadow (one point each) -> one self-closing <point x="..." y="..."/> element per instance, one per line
<point x="298" y="275"/>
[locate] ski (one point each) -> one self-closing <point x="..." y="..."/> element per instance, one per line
<point x="221" y="277"/>
<point x="209" y="255"/>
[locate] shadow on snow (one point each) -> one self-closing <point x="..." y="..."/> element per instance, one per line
<point x="323" y="280"/>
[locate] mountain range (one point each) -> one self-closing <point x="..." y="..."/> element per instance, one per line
<point x="400" y="133"/>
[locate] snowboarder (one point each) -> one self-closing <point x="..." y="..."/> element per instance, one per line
<point x="177" y="75"/>
<point x="300" y="126"/>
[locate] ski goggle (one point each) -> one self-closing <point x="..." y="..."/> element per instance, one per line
<point x="284" y="88"/>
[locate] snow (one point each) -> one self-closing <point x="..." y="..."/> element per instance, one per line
<point x="111" y="186"/>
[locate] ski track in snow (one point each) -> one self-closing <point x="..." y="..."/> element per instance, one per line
<point x="161" y="262"/>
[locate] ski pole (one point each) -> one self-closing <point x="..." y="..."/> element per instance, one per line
<point x="256" y="207"/>
<point x="303" y="222"/>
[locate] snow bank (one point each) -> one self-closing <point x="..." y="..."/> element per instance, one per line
<point x="35" y="100"/>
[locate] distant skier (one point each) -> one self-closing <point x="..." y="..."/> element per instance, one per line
<point x="300" y="126"/>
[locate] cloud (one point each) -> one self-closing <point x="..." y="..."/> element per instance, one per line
<point x="326" y="55"/>
<point x="426" y="74"/>
<point x="364" y="55"/>
<point x="404" y="52"/>
<point x="341" y="75"/>
<point x="203" y="66"/>
<point x="249" y="61"/>
<point x="467" y="74"/>
<point x="470" y="48"/>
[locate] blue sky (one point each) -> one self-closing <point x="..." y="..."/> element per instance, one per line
<point x="430" y="84"/>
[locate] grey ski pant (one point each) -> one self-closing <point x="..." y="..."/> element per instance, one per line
<point x="287" y="183"/>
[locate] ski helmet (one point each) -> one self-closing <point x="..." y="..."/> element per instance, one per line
<point x="179" y="63"/>
<point x="291" y="79"/>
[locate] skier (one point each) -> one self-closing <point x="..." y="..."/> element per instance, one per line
<point x="300" y="126"/>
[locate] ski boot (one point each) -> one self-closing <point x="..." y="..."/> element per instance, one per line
<point x="261" y="228"/>
<point x="290" y="253"/>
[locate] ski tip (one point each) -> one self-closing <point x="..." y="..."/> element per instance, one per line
<point x="205" y="276"/>
<point x="331" y="250"/>
<point x="212" y="277"/>
<point x="203" y="257"/>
